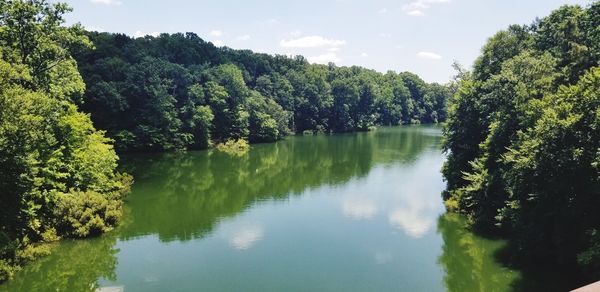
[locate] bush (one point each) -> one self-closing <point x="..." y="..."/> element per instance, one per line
<point x="234" y="147"/>
<point x="83" y="214"/>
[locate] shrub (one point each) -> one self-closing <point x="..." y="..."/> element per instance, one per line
<point x="234" y="147"/>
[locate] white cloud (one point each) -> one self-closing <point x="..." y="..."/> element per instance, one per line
<point x="246" y="237"/>
<point x="140" y="34"/>
<point x="385" y="35"/>
<point x="359" y="209"/>
<point x="429" y="56"/>
<point x="243" y="37"/>
<point x="383" y="11"/>
<point x="216" y="32"/>
<point x="218" y="43"/>
<point x="325" y="58"/>
<point x="314" y="41"/>
<point x="364" y="55"/>
<point x="417" y="7"/>
<point x="334" y="49"/>
<point x="107" y="2"/>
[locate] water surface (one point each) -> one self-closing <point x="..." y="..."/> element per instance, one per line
<point x="355" y="212"/>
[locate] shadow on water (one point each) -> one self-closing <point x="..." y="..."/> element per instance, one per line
<point x="541" y="274"/>
<point x="475" y="262"/>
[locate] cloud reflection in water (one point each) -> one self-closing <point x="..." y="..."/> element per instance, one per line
<point x="246" y="237"/>
<point x="359" y="209"/>
<point x="411" y="202"/>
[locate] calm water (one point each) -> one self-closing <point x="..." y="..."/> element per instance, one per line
<point x="357" y="212"/>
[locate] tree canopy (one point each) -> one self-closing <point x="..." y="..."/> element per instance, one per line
<point x="523" y="140"/>
<point x="176" y="91"/>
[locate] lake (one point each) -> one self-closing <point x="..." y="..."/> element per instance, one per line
<point x="352" y="212"/>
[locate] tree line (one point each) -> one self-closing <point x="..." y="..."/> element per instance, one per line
<point x="177" y="91"/>
<point x="70" y="99"/>
<point x="523" y="139"/>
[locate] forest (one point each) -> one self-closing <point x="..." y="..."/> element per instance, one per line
<point x="523" y="140"/>
<point x="177" y="92"/>
<point x="71" y="99"/>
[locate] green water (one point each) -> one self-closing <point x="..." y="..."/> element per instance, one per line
<point x="356" y="212"/>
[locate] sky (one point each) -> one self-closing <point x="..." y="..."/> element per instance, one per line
<point x="421" y="36"/>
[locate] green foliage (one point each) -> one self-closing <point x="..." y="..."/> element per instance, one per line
<point x="82" y="214"/>
<point x="7" y="269"/>
<point x="267" y="120"/>
<point x="32" y="35"/>
<point x="231" y="93"/>
<point x="48" y="149"/>
<point x="523" y="136"/>
<point x="155" y="93"/>
<point x="234" y="147"/>
<point x="200" y="124"/>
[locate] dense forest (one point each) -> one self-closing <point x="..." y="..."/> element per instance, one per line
<point x="523" y="139"/>
<point x="70" y="99"/>
<point x="176" y="91"/>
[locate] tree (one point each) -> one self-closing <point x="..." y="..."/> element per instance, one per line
<point x="554" y="176"/>
<point x="522" y="139"/>
<point x="198" y="117"/>
<point x="234" y="121"/>
<point x="345" y="98"/>
<point x="55" y="165"/>
<point x="33" y="35"/>
<point x="154" y="120"/>
<point x="313" y="99"/>
<point x="416" y="86"/>
<point x="262" y="126"/>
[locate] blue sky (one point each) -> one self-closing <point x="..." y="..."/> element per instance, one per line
<point x="421" y="36"/>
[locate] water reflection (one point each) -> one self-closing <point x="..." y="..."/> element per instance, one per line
<point x="411" y="222"/>
<point x="469" y="261"/>
<point x="246" y="237"/>
<point x="346" y="212"/>
<point x="73" y="266"/>
<point x="197" y="189"/>
<point x="406" y="194"/>
<point x="359" y="209"/>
